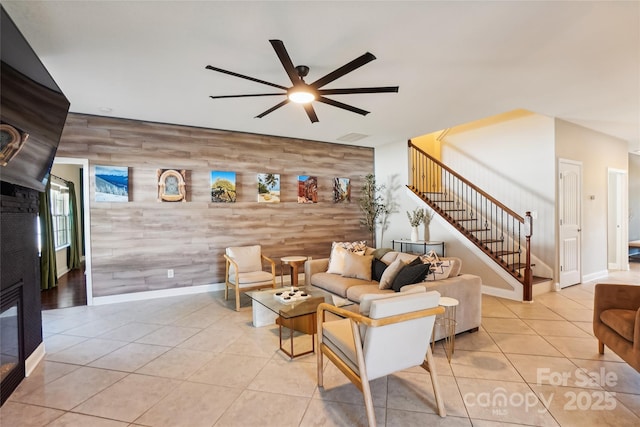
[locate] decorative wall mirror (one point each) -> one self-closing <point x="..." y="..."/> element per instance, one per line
<point x="171" y="185"/>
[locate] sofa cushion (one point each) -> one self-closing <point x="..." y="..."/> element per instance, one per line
<point x="409" y="275"/>
<point x="335" y="283"/>
<point x="377" y="268"/>
<point x="620" y="320"/>
<point x="355" y="293"/>
<point x="390" y="273"/>
<point x="358" y="266"/>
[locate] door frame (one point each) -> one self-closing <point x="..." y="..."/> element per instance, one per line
<point x="86" y="214"/>
<point x="619" y="241"/>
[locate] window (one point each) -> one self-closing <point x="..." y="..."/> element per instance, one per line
<point x="60" y="215"/>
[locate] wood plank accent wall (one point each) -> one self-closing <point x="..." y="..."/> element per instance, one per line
<point x="133" y="244"/>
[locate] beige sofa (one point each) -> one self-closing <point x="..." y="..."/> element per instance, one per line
<point x="466" y="288"/>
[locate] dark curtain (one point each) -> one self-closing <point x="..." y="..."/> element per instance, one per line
<point x="48" y="269"/>
<point x="73" y="254"/>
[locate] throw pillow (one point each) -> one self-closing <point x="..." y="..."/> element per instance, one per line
<point x="390" y="273"/>
<point x="338" y="249"/>
<point x="358" y="266"/>
<point x="336" y="262"/>
<point x="439" y="270"/>
<point x="410" y="275"/>
<point x="359" y="246"/>
<point x="379" y="253"/>
<point x="377" y="268"/>
<point x="416" y="261"/>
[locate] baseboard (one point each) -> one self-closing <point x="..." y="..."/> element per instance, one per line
<point x="594" y="276"/>
<point x="34" y="359"/>
<point x="63" y="272"/>
<point x="162" y="293"/>
<point x="511" y="294"/>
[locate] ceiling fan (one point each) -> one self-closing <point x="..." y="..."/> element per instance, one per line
<point x="304" y="93"/>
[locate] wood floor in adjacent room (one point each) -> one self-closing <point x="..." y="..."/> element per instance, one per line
<point x="70" y="292"/>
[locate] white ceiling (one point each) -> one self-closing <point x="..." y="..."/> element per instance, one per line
<point x="455" y="62"/>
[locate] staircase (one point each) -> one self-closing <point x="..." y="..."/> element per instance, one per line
<point x="503" y="235"/>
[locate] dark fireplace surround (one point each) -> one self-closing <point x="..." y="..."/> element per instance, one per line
<point x="20" y="314"/>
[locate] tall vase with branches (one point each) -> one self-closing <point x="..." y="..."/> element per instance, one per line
<point x="372" y="204"/>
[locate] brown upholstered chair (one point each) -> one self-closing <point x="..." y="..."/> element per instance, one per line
<point x="616" y="321"/>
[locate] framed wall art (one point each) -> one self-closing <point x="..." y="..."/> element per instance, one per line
<point x="307" y="189"/>
<point x="112" y="183"/>
<point x="223" y="187"/>
<point x="268" y="188"/>
<point x="172" y="185"/>
<point x="341" y="190"/>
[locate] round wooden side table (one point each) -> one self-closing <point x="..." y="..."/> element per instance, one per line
<point x="294" y="262"/>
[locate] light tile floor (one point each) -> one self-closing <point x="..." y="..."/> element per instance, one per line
<point x="193" y="361"/>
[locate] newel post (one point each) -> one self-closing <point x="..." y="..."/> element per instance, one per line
<point x="527" y="294"/>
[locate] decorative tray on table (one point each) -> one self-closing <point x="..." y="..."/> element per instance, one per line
<point x="291" y="295"/>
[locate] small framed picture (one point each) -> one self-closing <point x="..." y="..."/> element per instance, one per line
<point x="223" y="187"/>
<point x="268" y="188"/>
<point x="172" y="185"/>
<point x="307" y="189"/>
<point x="341" y="190"/>
<point x="112" y="183"/>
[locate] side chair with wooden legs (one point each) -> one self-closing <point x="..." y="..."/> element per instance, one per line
<point x="244" y="271"/>
<point x="393" y="335"/>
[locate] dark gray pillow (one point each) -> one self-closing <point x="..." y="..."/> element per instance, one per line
<point x="377" y="268"/>
<point x="410" y="275"/>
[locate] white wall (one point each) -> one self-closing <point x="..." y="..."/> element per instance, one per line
<point x="597" y="152"/>
<point x="391" y="166"/>
<point x="391" y="160"/>
<point x="512" y="160"/>
<point x="634" y="197"/>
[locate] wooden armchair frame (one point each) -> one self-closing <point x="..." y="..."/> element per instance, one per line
<point x="361" y="380"/>
<point x="231" y="262"/>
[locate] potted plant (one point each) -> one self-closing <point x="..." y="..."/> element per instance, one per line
<point x="416" y="217"/>
<point x="372" y="204"/>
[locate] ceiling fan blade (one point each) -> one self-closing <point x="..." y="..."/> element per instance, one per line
<point x="342" y="105"/>
<point x="242" y="76"/>
<point x="272" y="109"/>
<point x="310" y="112"/>
<point x="281" y="51"/>
<point x="244" y="96"/>
<point x="358" y="90"/>
<point x="347" y="68"/>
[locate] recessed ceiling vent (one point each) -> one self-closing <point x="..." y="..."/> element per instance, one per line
<point x="352" y="137"/>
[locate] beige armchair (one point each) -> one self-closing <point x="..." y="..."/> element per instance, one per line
<point x="244" y="271"/>
<point x="616" y="321"/>
<point x="393" y="336"/>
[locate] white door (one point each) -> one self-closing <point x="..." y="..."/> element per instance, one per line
<point x="569" y="208"/>
<point x="617" y="249"/>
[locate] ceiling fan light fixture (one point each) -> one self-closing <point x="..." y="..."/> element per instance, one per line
<point x="301" y="95"/>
